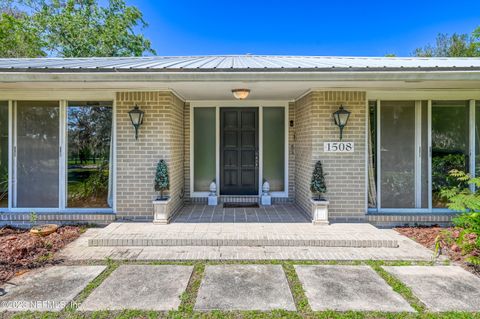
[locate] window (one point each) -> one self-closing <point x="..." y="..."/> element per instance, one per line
<point x="37" y="161"/>
<point x="204" y="119"/>
<point x="450" y="144"/>
<point x="397" y="158"/>
<point x="89" y="134"/>
<point x="420" y="142"/>
<point x="274" y="147"/>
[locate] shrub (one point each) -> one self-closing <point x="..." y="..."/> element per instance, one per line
<point x="162" y="182"/>
<point x="317" y="185"/>
<point x="464" y="200"/>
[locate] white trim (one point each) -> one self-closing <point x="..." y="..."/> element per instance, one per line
<point x="429" y="133"/>
<point x="260" y="150"/>
<point x="62" y="159"/>
<point x="471" y="150"/>
<point x="217" y="104"/>
<point x="57" y="95"/>
<point x="367" y="150"/>
<point x="237" y="75"/>
<point x="11" y="176"/>
<point x="418" y="154"/>
<point x="114" y="159"/>
<point x="444" y="94"/>
<point x="14" y="150"/>
<point x="379" y="158"/>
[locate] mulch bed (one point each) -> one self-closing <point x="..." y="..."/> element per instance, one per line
<point x="427" y="237"/>
<point x="20" y="251"/>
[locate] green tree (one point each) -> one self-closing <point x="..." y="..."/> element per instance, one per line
<point x="19" y="37"/>
<point x="73" y="28"/>
<point x="456" y="45"/>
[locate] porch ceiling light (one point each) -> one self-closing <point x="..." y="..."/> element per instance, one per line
<point x="136" y="116"/>
<point x="240" y="94"/>
<point x="341" y="118"/>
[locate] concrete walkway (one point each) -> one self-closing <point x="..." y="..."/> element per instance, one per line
<point x="80" y="250"/>
<point x="230" y="287"/>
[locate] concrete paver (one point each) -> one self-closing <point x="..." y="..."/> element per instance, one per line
<point x="441" y="288"/>
<point x="244" y="287"/>
<point x="345" y="288"/>
<point x="140" y="287"/>
<point x="49" y="289"/>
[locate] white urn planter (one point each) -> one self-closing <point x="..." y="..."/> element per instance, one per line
<point x="319" y="212"/>
<point x="162" y="211"/>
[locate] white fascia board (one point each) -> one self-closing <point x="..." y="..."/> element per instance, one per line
<point x="239" y="76"/>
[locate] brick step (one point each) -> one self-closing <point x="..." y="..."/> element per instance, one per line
<point x="209" y="239"/>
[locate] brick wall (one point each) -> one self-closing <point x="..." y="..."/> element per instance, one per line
<point x="346" y="171"/>
<point x="161" y="136"/>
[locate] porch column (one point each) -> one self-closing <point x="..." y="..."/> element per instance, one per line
<point x="346" y="180"/>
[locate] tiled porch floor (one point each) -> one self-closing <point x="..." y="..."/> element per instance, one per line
<point x="199" y="213"/>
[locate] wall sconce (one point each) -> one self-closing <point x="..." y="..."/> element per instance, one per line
<point x="136" y="116"/>
<point x="341" y="118"/>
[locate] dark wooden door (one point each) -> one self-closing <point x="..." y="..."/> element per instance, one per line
<point x="239" y="151"/>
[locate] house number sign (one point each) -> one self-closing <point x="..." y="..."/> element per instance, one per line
<point x="338" y="147"/>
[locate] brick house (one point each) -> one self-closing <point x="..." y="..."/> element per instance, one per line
<point x="69" y="153"/>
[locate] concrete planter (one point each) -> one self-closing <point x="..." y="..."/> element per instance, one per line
<point x="162" y="211"/>
<point x="319" y="212"/>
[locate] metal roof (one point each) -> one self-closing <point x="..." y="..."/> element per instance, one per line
<point x="242" y="63"/>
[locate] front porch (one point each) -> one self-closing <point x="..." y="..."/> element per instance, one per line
<point x="284" y="213"/>
<point x="276" y="225"/>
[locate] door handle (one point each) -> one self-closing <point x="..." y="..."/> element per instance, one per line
<point x="256" y="158"/>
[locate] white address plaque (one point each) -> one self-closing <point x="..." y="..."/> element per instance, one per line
<point x="338" y="147"/>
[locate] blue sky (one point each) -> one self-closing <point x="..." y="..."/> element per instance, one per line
<point x="336" y="27"/>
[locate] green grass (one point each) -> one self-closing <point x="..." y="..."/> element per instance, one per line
<point x="186" y="311"/>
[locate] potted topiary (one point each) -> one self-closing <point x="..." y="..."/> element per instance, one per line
<point x="318" y="188"/>
<point x="161" y="205"/>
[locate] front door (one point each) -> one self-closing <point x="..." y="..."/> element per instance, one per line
<point x="239" y="151"/>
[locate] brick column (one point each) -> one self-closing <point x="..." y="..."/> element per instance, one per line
<point x="160" y="137"/>
<point x="346" y="171"/>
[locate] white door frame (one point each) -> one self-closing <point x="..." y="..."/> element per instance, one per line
<point x="260" y="104"/>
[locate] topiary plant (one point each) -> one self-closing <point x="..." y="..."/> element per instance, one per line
<point x="317" y="185"/>
<point x="162" y="182"/>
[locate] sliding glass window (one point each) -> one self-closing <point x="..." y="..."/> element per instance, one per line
<point x="397" y="146"/>
<point x="419" y="143"/>
<point x="89" y="134"/>
<point x="3" y="153"/>
<point x="37" y="150"/>
<point x="450" y="145"/>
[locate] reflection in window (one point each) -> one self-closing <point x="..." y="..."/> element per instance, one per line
<point x="89" y="154"/>
<point x="3" y="154"/>
<point x="450" y="146"/>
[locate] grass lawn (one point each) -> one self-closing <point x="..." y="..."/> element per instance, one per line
<point x="303" y="309"/>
